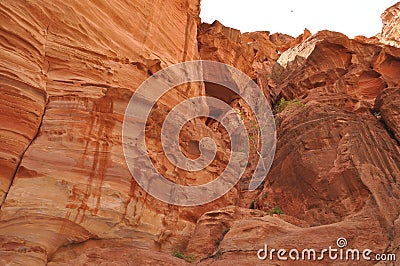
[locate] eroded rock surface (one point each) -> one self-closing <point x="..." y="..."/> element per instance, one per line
<point x="23" y="88"/>
<point x="84" y="60"/>
<point x="337" y="162"/>
<point x="344" y="72"/>
<point x="387" y="107"/>
<point x="391" y="29"/>
<point x="67" y="72"/>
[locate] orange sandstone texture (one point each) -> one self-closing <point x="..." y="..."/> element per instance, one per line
<point x="336" y="169"/>
<point x="391" y="28"/>
<point x="67" y="72"/>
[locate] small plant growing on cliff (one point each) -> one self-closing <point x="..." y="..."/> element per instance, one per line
<point x="377" y="115"/>
<point x="181" y="255"/>
<point x="253" y="133"/>
<point x="276" y="210"/>
<point x="241" y="114"/>
<point x="285" y="104"/>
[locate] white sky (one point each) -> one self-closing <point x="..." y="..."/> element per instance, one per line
<point x="351" y="17"/>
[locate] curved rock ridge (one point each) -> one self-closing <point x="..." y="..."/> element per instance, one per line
<point x="111" y="252"/>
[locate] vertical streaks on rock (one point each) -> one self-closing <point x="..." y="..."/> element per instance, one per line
<point x="96" y="55"/>
<point x="95" y="157"/>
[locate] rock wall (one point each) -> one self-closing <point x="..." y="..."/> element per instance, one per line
<point x="335" y="172"/>
<point x="67" y="72"/>
<point x="329" y="64"/>
<point x="391" y="28"/>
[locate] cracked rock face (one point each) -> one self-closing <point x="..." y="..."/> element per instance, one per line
<point x="387" y="106"/>
<point x="391" y="29"/>
<point x="23" y="90"/>
<point x="67" y="72"/>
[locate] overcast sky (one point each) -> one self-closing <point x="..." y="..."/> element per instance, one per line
<point x="351" y="17"/>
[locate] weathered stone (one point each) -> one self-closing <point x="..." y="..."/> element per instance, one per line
<point x="391" y="29"/>
<point x="67" y="72"/>
<point x="387" y="107"/>
<point x="330" y="67"/>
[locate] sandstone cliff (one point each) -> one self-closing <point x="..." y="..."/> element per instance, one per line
<point x="391" y="28"/>
<point x="67" y="72"/>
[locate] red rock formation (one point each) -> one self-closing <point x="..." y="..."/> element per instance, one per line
<point x="387" y="107"/>
<point x="254" y="53"/>
<point x="391" y="28"/>
<point x="325" y="193"/>
<point x="268" y="49"/>
<point x="23" y="90"/>
<point x="223" y="44"/>
<point x="335" y="174"/>
<point x="67" y="72"/>
<point x="85" y="60"/>
<point x="345" y="72"/>
<point x="336" y="167"/>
